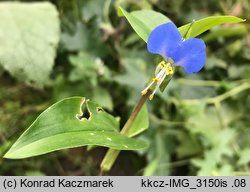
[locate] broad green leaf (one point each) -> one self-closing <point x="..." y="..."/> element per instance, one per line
<point x="196" y="28"/>
<point x="140" y="124"/>
<point x="60" y="127"/>
<point x="144" y="21"/>
<point x="29" y="37"/>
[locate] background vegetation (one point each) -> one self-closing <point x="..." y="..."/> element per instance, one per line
<point x="200" y="125"/>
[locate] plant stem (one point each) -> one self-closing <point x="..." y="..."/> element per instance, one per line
<point x="244" y="86"/>
<point x="112" y="154"/>
<point x="232" y="92"/>
<point x="135" y="112"/>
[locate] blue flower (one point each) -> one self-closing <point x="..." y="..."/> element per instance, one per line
<point x="167" y="41"/>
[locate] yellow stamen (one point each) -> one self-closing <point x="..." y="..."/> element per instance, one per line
<point x="162" y="70"/>
<point x="162" y="64"/>
<point x="169" y="70"/>
<point x="144" y="92"/>
<point x="151" y="97"/>
<point x="155" y="79"/>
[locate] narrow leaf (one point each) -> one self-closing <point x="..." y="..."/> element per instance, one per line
<point x="200" y="26"/>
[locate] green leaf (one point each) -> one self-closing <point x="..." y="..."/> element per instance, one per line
<point x="92" y="8"/>
<point x="214" y="156"/>
<point x="29" y="37"/>
<point x="102" y="97"/>
<point x="144" y="21"/>
<point x="135" y="69"/>
<point x="244" y="157"/>
<point x="160" y="150"/>
<point x="151" y="167"/>
<point x="188" y="145"/>
<point x="77" y="41"/>
<point x="196" y="28"/>
<point x="140" y="124"/>
<point x="85" y="67"/>
<point x="60" y="127"/>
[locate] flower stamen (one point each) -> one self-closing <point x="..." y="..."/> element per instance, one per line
<point x="162" y="70"/>
<point x="162" y="64"/>
<point x="169" y="70"/>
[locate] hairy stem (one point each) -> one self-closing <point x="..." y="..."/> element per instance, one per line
<point x="112" y="154"/>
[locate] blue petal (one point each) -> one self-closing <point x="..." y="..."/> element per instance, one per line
<point x="191" y="55"/>
<point x="164" y="39"/>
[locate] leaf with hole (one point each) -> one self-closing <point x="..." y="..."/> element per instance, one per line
<point x="69" y="123"/>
